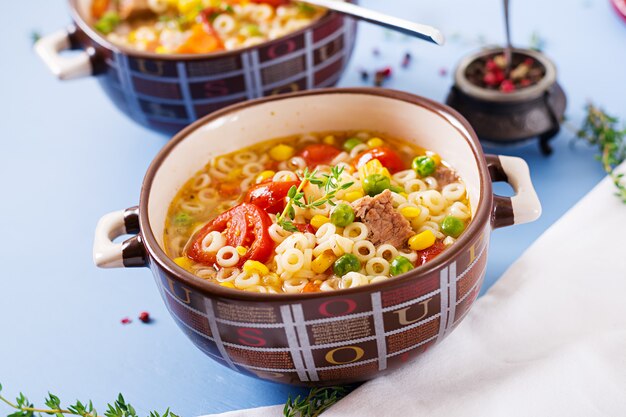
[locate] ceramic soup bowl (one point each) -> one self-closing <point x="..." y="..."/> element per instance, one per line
<point x="329" y="337"/>
<point x="165" y="92"/>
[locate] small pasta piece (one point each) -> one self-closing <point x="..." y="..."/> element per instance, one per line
<point x="277" y="233"/>
<point x="364" y="250"/>
<point x="411" y="256"/>
<point x="358" y="149"/>
<point x="353" y="280"/>
<point x="453" y="192"/>
<point x="294" y="285"/>
<point x="431" y="182"/>
<point x="225" y="165"/>
<point x="284" y="176"/>
<point x="244" y="281"/>
<point x="434" y="201"/>
<point x="213" y="242"/>
<point x="325" y="232"/>
<point x="403" y="176"/>
<point x="201" y="181"/>
<point x="415" y="185"/>
<point x="449" y="240"/>
<point x="459" y="210"/>
<point x="243" y="158"/>
<point x="224" y="24"/>
<point x="252" y="168"/>
<point x="227" y="274"/>
<point x="296" y="163"/>
<point x="330" y="284"/>
<point x="192" y="206"/>
<point x="386" y="251"/>
<point x="377" y="266"/>
<point x="207" y="195"/>
<point x="342" y="157"/>
<point x="227" y="256"/>
<point x="356" y="231"/>
<point x="378" y="278"/>
<point x="292" y="260"/>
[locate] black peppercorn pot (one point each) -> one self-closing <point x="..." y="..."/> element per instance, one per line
<point x="510" y="118"/>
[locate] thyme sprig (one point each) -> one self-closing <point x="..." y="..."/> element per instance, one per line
<point x="602" y="130"/>
<point x="315" y="403"/>
<point x="330" y="184"/>
<point x="119" y="408"/>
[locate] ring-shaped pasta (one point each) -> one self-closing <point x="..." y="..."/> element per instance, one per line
<point x="364" y="250"/>
<point x="460" y="210"/>
<point x="252" y="168"/>
<point x="227" y="256"/>
<point x="207" y="195"/>
<point x="377" y="266"/>
<point x="363" y="135"/>
<point x="277" y="233"/>
<point x="224" y="24"/>
<point x="192" y="206"/>
<point x="243" y="158"/>
<point x="227" y="274"/>
<point x="411" y="256"/>
<point x="244" y="280"/>
<point x="387" y="251"/>
<point x="284" y="175"/>
<point x="292" y="260"/>
<point x="213" y="242"/>
<point x="414" y="185"/>
<point x="453" y="192"/>
<point x="201" y="181"/>
<point x="353" y="280"/>
<point x="294" y="285"/>
<point x="432" y="183"/>
<point x="404" y="176"/>
<point x="434" y="201"/>
<point x="225" y="165"/>
<point x="359" y="228"/>
<point x="341" y="157"/>
<point x="325" y="232"/>
<point x="362" y="147"/>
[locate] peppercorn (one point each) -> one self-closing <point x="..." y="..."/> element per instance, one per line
<point x="144" y="316"/>
<point x="126" y="320"/>
<point x="406" y="60"/>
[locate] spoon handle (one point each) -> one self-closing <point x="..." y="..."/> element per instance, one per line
<point x="507" y="26"/>
<point x="425" y="32"/>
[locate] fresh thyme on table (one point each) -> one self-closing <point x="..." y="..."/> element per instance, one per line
<point x="601" y="130"/>
<point x="315" y="403"/>
<point x="329" y="183"/>
<point x="119" y="408"/>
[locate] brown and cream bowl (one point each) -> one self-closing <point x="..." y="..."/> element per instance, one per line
<point x="333" y="337"/>
<point x="166" y="92"/>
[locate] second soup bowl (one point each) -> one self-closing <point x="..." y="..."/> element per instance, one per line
<point x="328" y="337"/>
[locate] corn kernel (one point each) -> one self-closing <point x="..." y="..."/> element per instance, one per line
<point x="405" y="195"/>
<point x="373" y="167"/>
<point x="410" y="212"/>
<point x="162" y="50"/>
<point x="272" y="279"/>
<point x="264" y="176"/>
<point x="323" y="262"/>
<point x="329" y="140"/>
<point x="234" y="174"/>
<point x="318" y="220"/>
<point x="375" y="142"/>
<point x="435" y="157"/>
<point x="241" y="250"/>
<point x="227" y="284"/>
<point x="353" y="195"/>
<point x="183" y="262"/>
<point x="187" y="6"/>
<point x="422" y="240"/>
<point x="281" y="152"/>
<point x="255" y="267"/>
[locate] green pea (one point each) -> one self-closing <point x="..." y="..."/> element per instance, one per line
<point x="424" y="166"/>
<point x="375" y="184"/>
<point x="349" y="144"/>
<point x="342" y="215"/>
<point x="182" y="219"/>
<point x="107" y="23"/>
<point x="452" y="226"/>
<point x="346" y="263"/>
<point x="400" y="265"/>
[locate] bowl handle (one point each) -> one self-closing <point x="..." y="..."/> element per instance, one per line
<point x="131" y="252"/>
<point x="49" y="49"/>
<point x="524" y="206"/>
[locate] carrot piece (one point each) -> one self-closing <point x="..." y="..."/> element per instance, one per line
<point x="200" y="42"/>
<point x="99" y="8"/>
<point x="311" y="287"/>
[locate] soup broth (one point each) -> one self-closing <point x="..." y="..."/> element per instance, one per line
<point x="198" y="26"/>
<point x="316" y="212"/>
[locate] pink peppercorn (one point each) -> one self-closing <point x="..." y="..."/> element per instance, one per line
<point x="144" y="316"/>
<point x="126" y="320"/>
<point x="507" y="86"/>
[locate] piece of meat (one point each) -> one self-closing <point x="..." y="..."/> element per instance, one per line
<point x="133" y="8"/>
<point x="385" y="224"/>
<point x="445" y="176"/>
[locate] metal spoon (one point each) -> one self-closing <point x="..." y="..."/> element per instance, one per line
<point x="508" y="50"/>
<point x="425" y="32"/>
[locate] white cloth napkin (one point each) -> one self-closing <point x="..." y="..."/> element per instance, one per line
<point x="548" y="339"/>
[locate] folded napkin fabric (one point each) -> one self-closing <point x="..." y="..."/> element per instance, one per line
<point x="548" y="339"/>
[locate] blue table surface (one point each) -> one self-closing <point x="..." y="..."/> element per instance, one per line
<point x="68" y="157"/>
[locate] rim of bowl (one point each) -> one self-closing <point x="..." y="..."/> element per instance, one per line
<point x="534" y="91"/>
<point x="483" y="211"/>
<point x="95" y="35"/>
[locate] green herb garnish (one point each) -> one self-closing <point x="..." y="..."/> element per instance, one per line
<point x="108" y="22"/>
<point x="601" y="130"/>
<point x="35" y="36"/>
<point x="119" y="408"/>
<point x="315" y="403"/>
<point x="329" y="183"/>
<point x="306" y="9"/>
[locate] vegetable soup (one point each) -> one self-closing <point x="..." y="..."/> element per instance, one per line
<point x="198" y="26"/>
<point x="317" y="212"/>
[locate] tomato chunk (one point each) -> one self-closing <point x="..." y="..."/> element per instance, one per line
<point x="245" y="225"/>
<point x="426" y="255"/>
<point x="387" y="157"/>
<point x="270" y="196"/>
<point x="319" y="154"/>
